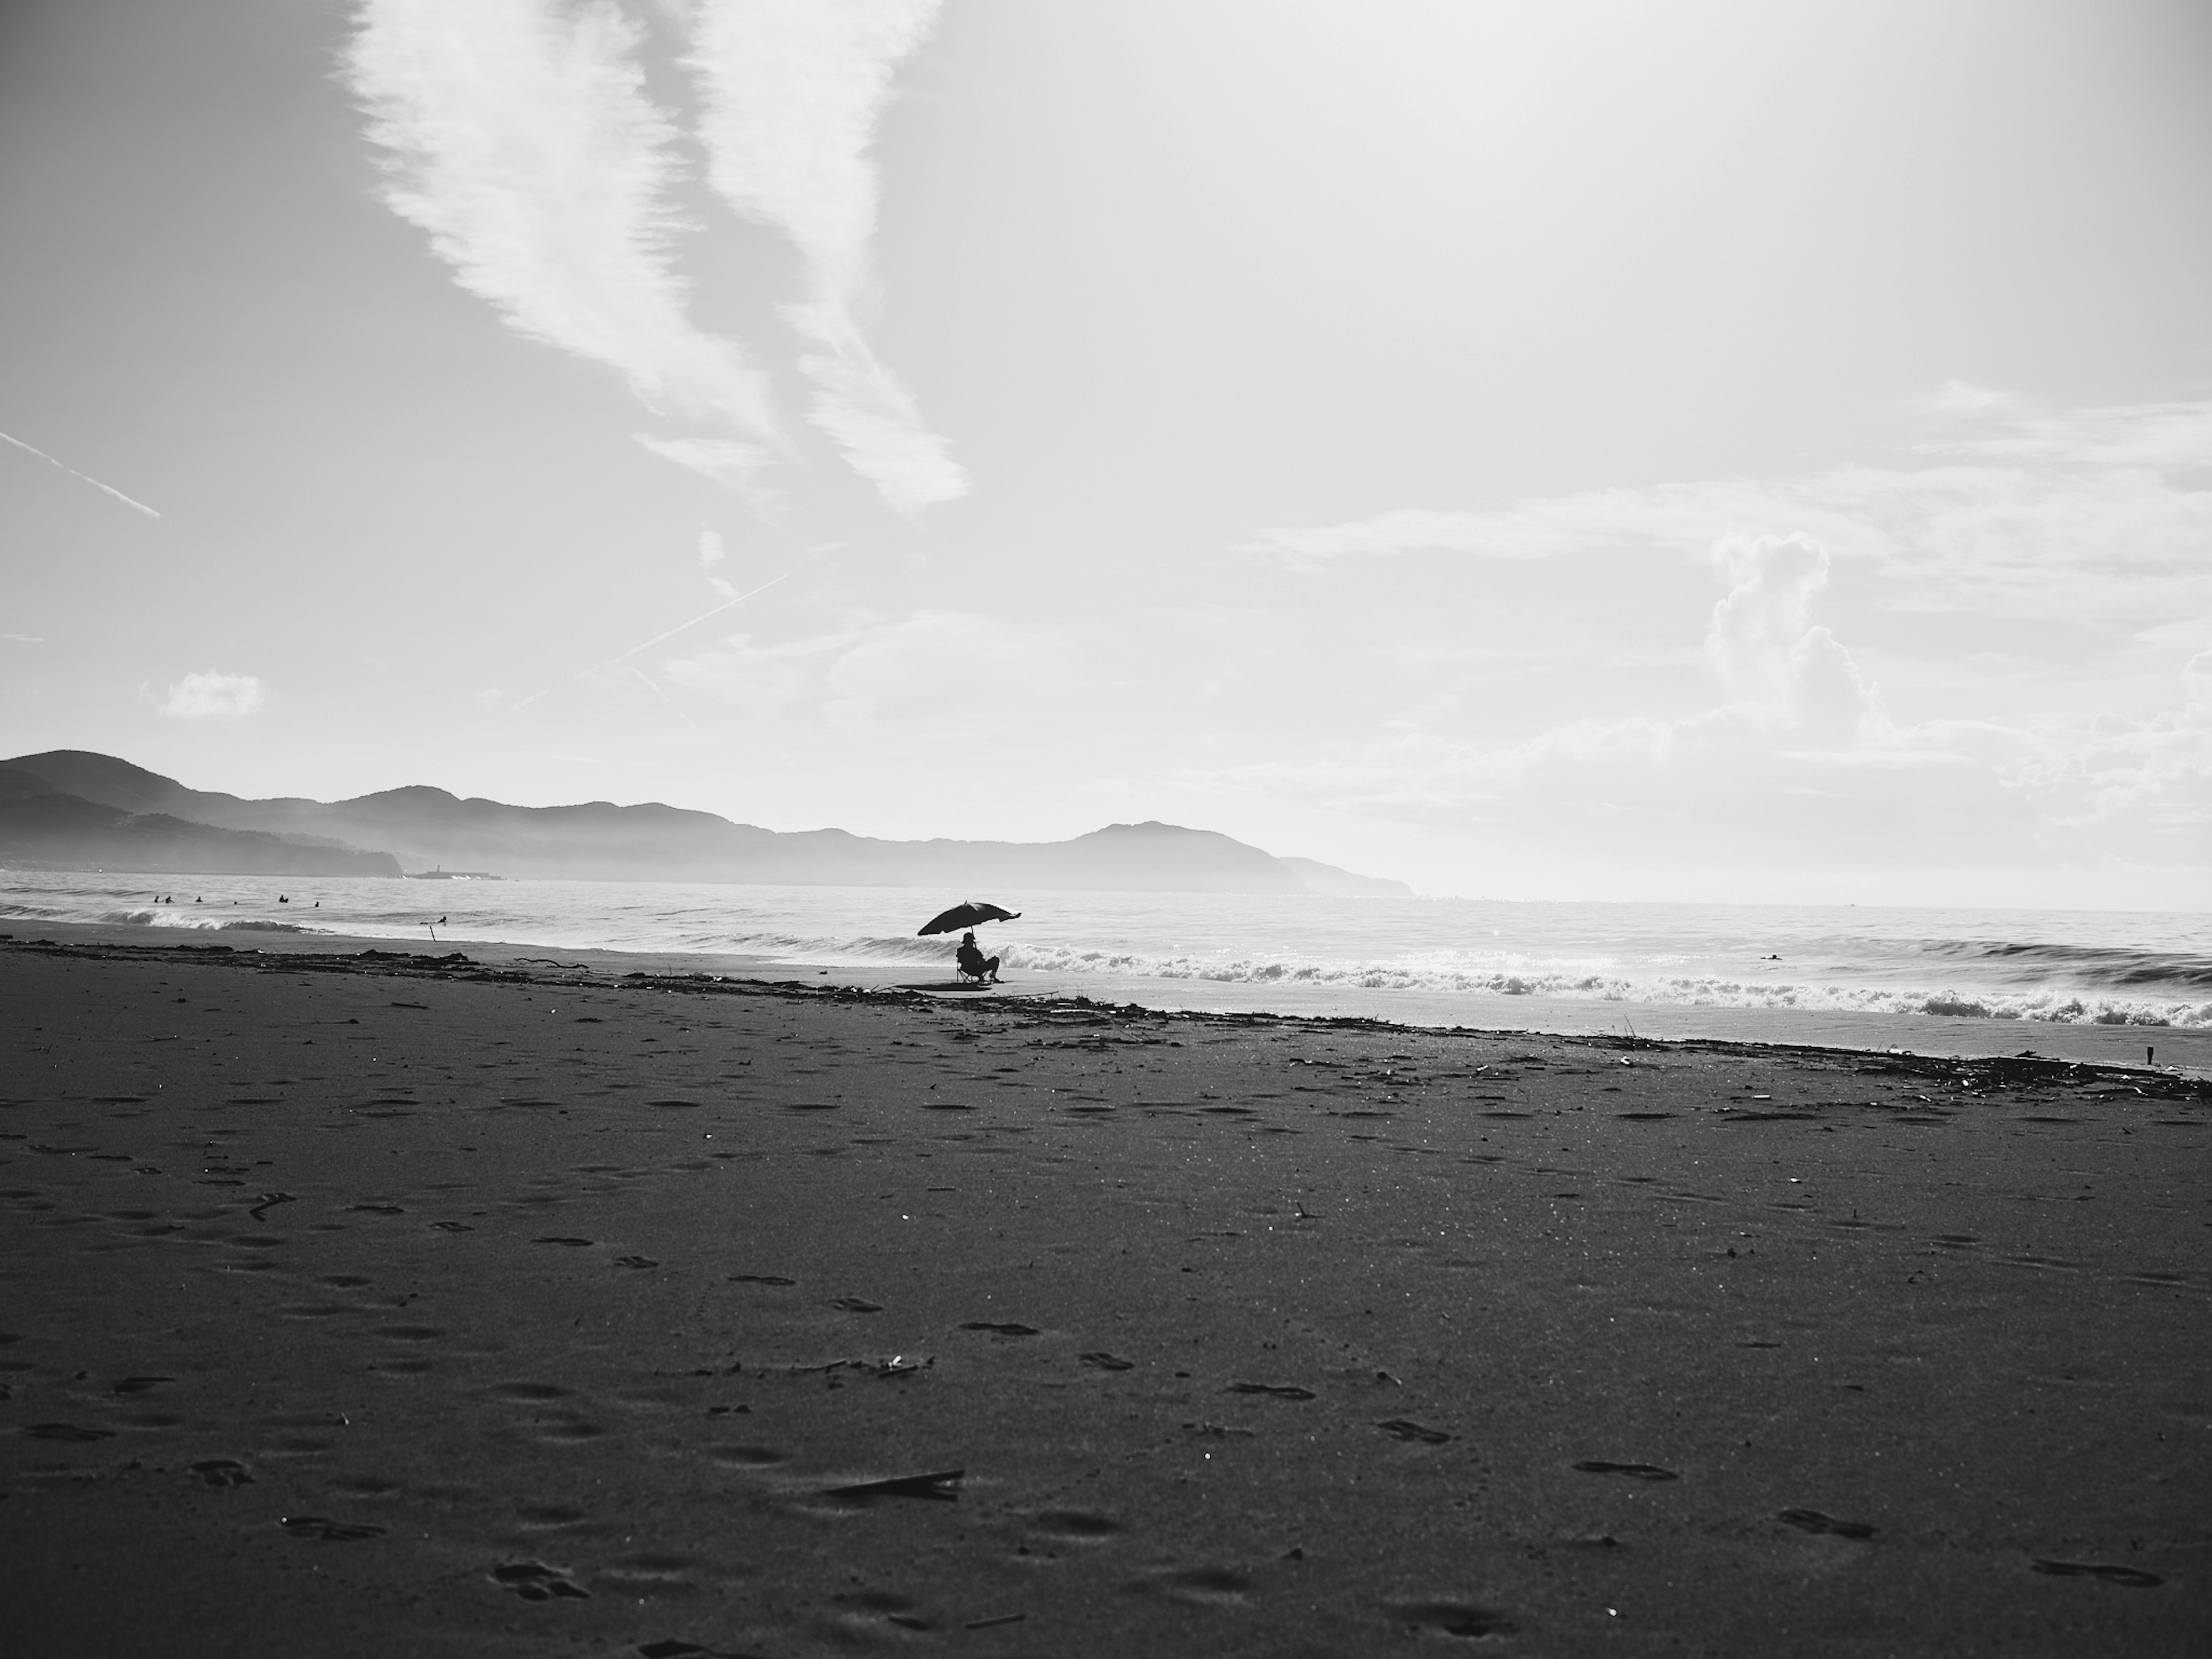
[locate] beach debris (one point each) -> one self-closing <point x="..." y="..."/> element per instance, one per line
<point x="139" y="1384"/>
<point x="1814" y="1520"/>
<point x="270" y="1202"/>
<point x="1404" y="1428"/>
<point x="857" y="1305"/>
<point x="556" y="1238"/>
<point x="1099" y="1359"/>
<point x="897" y="1368"/>
<point x="68" y="1431"/>
<point x="1273" y="1390"/>
<point x="761" y="1279"/>
<point x="453" y="1226"/>
<point x="993" y="1623"/>
<point x="2132" y="1578"/>
<point x="635" y="1261"/>
<point x="222" y="1472"/>
<point x="1633" y="1471"/>
<point x="675" y="1647"/>
<point x="323" y="1530"/>
<point x="533" y="1581"/>
<point x="999" y="1328"/>
<point x="942" y="1486"/>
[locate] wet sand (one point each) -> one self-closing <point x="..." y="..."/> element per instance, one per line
<point x="393" y="1304"/>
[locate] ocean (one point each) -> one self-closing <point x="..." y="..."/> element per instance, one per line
<point x="2063" y="966"/>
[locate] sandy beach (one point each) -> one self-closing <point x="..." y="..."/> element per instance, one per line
<point x="413" y="1303"/>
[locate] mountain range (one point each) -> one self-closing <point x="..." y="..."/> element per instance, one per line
<point x="69" y="808"/>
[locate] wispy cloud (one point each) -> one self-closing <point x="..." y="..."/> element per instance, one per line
<point x="108" y="489"/>
<point x="214" y="697"/>
<point x="791" y="91"/>
<point x="521" y="138"/>
<point x="1999" y="510"/>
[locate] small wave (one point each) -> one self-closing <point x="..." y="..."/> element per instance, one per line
<point x="200" y="922"/>
<point x="2056" y="1007"/>
<point x="2097" y="964"/>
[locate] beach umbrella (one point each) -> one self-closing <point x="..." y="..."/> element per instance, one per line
<point x="973" y="913"/>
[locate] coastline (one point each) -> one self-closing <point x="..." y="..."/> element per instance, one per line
<point x="2181" y="1051"/>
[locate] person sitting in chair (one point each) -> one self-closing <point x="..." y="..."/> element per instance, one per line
<point x="973" y="965"/>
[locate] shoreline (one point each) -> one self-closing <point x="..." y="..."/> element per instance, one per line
<point x="2177" y="1050"/>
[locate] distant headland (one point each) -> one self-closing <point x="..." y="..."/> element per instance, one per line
<point x="72" y="809"/>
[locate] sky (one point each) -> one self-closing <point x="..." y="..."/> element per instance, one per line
<point x="1709" y="450"/>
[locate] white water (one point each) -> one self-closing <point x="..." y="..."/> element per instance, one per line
<point x="2071" y="967"/>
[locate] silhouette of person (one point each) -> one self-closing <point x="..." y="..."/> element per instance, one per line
<point x="973" y="961"/>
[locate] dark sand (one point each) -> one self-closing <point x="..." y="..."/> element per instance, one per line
<point x="385" y="1306"/>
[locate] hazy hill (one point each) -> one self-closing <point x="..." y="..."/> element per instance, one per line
<point x="425" y="828"/>
<point x="42" y="826"/>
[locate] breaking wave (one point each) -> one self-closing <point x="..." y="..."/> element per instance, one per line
<point x="1529" y="978"/>
<point x="2063" y="968"/>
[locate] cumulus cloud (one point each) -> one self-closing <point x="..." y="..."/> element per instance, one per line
<point x="1762" y="641"/>
<point x="791" y="91"/>
<point x="519" y="136"/>
<point x="214" y="697"/>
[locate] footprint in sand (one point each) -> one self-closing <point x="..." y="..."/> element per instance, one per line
<point x="533" y="1391"/>
<point x="573" y="1243"/>
<point x="942" y="1486"/>
<point x="1814" y="1521"/>
<point x="1404" y="1428"/>
<point x="746" y="1458"/>
<point x="1464" y="1619"/>
<point x="1274" y="1390"/>
<point x="533" y="1581"/>
<point x="1073" y="1527"/>
<point x="2129" y="1577"/>
<point x="321" y="1530"/>
<point x="548" y="1517"/>
<point x="1633" y="1471"/>
<point x="1208" y="1586"/>
<point x="999" y="1327"/>
<point x="761" y="1279"/>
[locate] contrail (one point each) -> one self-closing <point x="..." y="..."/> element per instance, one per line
<point x="679" y="627"/>
<point x="139" y="506"/>
<point x="583" y="673"/>
<point x="665" y="698"/>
